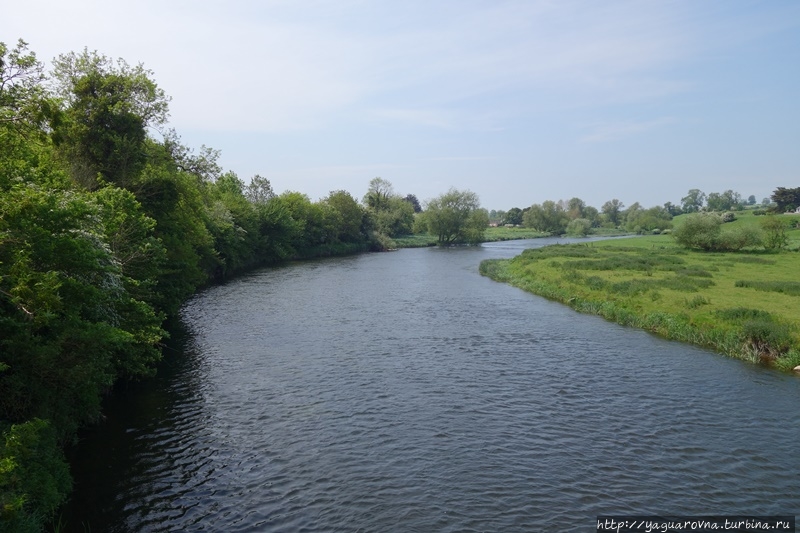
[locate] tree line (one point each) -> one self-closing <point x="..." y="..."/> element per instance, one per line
<point x="108" y="222"/>
<point x="575" y="218"/>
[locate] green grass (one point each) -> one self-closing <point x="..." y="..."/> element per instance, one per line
<point x="696" y="297"/>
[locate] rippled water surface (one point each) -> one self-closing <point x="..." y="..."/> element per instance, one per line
<point x="404" y="392"/>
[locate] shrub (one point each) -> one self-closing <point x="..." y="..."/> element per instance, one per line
<point x="775" y="233"/>
<point x="739" y="238"/>
<point x="727" y="217"/>
<point x="700" y="230"/>
<point x="579" y="227"/>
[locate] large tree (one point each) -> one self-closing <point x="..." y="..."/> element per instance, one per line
<point x="456" y="217"/>
<point x="693" y="201"/>
<point x="724" y="201"/>
<point x="109" y="106"/>
<point x="786" y="199"/>
<point x="378" y="193"/>
<point x="612" y="209"/>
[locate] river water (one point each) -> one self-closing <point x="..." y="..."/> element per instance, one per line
<point x="405" y="392"/>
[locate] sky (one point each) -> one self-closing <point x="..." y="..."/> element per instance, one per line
<point x="517" y="101"/>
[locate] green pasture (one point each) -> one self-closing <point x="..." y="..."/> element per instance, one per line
<point x="744" y="304"/>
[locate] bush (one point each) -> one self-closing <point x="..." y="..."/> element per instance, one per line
<point x="703" y="231"/>
<point x="727" y="217"/>
<point x="775" y="233"/>
<point x="699" y="230"/>
<point x="579" y="227"/>
<point x="739" y="238"/>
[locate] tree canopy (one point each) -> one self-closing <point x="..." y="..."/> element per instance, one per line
<point x="456" y="217"/>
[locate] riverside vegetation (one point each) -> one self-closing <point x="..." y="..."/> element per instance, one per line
<point x="745" y="304"/>
<point x="107" y="224"/>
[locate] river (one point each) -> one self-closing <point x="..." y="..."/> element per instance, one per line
<point x="404" y="392"/>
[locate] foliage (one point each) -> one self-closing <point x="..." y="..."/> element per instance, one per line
<point x="693" y="201"/>
<point x="786" y="199"/>
<point x="378" y="193"/>
<point x="514" y="216"/>
<point x="579" y="227"/>
<point x="392" y="215"/>
<point x="613" y="211"/>
<point x="703" y="231"/>
<point x="455" y="217"/>
<point x="259" y="190"/>
<point x="640" y="220"/>
<point x="723" y="201"/>
<point x="775" y="233"/>
<point x="549" y="217"/>
<point x="34" y="478"/>
<point x="109" y="106"/>
<point x="23" y="103"/>
<point x="412" y="199"/>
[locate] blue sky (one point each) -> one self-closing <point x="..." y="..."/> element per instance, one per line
<point x="520" y="102"/>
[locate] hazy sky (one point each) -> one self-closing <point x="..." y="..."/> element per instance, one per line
<point x="520" y="102"/>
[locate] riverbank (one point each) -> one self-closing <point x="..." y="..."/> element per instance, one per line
<point x="744" y="305"/>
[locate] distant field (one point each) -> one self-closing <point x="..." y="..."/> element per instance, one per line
<point x="746" y="305"/>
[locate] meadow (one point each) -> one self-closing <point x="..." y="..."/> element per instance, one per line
<point x="743" y="304"/>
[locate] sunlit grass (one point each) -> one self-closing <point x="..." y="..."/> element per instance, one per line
<point x="652" y="283"/>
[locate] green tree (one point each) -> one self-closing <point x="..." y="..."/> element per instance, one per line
<point x="575" y="208"/>
<point x="549" y="217"/>
<point x="513" y="216"/>
<point x="693" y="201"/>
<point x="723" y="201"/>
<point x="456" y="217"/>
<point x="351" y="217"/>
<point x="704" y="231"/>
<point x="23" y="101"/>
<point x="613" y="211"/>
<point x="395" y="218"/>
<point x="378" y="194"/>
<point x="109" y="106"/>
<point x="579" y="227"/>
<point x="412" y="199"/>
<point x="786" y="199"/>
<point x="640" y="220"/>
<point x="259" y="190"/>
<point x="775" y="233"/>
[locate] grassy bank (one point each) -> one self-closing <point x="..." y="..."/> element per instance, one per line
<point x="745" y="305"/>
